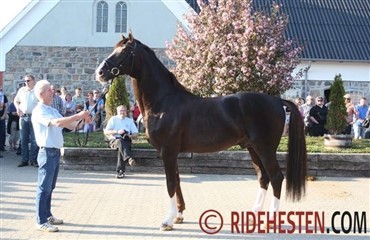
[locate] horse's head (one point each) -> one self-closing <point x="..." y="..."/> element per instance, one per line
<point x="119" y="62"/>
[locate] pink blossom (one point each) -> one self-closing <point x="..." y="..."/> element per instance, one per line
<point x="230" y="49"/>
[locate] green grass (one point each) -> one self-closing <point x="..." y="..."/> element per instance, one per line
<point x="314" y="144"/>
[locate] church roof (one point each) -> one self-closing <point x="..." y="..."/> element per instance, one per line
<point x="329" y="29"/>
<point x="333" y="30"/>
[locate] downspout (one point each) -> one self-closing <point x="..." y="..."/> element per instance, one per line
<point x="306" y="77"/>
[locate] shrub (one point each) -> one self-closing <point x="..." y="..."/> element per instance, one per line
<point x="117" y="96"/>
<point x="337" y="113"/>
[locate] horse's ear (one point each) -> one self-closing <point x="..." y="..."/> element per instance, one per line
<point x="130" y="36"/>
<point x="123" y="37"/>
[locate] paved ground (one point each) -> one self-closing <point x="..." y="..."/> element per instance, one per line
<point x="95" y="205"/>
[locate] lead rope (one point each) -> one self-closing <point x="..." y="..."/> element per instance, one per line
<point x="81" y="137"/>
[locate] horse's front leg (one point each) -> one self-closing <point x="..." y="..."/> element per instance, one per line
<point x="173" y="187"/>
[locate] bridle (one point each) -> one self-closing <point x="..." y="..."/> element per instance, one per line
<point x="115" y="69"/>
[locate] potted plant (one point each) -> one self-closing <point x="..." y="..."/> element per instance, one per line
<point x="336" y="119"/>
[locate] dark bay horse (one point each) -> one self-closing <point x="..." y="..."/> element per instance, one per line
<point x="178" y="121"/>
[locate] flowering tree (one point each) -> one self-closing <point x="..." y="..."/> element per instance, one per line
<point x="231" y="48"/>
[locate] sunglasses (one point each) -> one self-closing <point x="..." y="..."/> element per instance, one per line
<point x="28" y="80"/>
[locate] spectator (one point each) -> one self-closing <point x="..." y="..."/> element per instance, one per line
<point x="100" y="109"/>
<point x="361" y="110"/>
<point x="79" y="108"/>
<point x="69" y="105"/>
<point x="367" y="131"/>
<point x="351" y="114"/>
<point x="25" y="101"/>
<point x="91" y="106"/>
<point x="130" y="112"/>
<point x="57" y="101"/>
<point x="63" y="93"/>
<point x="78" y="98"/>
<point x="48" y="124"/>
<point x="3" y="112"/>
<point x="136" y="112"/>
<point x="298" y="103"/>
<point x="310" y="102"/>
<point x="13" y="125"/>
<point x="121" y="130"/>
<point x="318" y="115"/>
<point x="287" y="119"/>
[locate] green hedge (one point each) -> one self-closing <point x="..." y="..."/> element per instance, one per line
<point x="314" y="144"/>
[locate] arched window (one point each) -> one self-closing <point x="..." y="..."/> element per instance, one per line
<point x="102" y="17"/>
<point x="121" y="17"/>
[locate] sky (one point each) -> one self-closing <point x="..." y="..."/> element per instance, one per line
<point x="9" y="9"/>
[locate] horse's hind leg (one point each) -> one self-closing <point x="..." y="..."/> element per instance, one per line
<point x="180" y="201"/>
<point x="267" y="169"/>
<point x="263" y="180"/>
<point x="272" y="169"/>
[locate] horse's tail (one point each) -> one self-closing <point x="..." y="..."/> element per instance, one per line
<point x="297" y="155"/>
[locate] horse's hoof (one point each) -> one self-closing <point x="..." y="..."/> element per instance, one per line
<point x="166" y="227"/>
<point x="178" y="220"/>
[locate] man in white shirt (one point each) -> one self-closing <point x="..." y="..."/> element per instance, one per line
<point x="121" y="130"/>
<point x="25" y="101"/>
<point x="48" y="124"/>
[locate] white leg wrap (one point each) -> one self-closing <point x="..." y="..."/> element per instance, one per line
<point x="172" y="211"/>
<point x="274" y="205"/>
<point x="258" y="204"/>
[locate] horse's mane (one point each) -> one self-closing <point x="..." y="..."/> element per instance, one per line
<point x="171" y="76"/>
<point x="150" y="51"/>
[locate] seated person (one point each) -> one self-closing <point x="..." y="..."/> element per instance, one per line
<point x="121" y="130"/>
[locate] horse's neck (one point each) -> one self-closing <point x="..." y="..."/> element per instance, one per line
<point x="154" y="84"/>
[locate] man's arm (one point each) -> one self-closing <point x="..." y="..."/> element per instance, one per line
<point x="72" y="121"/>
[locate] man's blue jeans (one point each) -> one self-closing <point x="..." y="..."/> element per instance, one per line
<point x="48" y="160"/>
<point x="2" y="134"/>
<point x="28" y="136"/>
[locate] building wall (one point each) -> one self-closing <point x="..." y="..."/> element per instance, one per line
<point x="63" y="66"/>
<point x="72" y="23"/>
<point x="320" y="74"/>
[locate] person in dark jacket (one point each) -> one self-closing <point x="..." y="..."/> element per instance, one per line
<point x="13" y="125"/>
<point x="318" y="117"/>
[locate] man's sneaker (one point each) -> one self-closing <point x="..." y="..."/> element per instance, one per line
<point x="131" y="162"/>
<point x="46" y="227"/>
<point x="120" y="174"/>
<point x="55" y="221"/>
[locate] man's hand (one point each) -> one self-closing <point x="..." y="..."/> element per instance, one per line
<point x="84" y="115"/>
<point x="19" y="112"/>
<point x="121" y="132"/>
